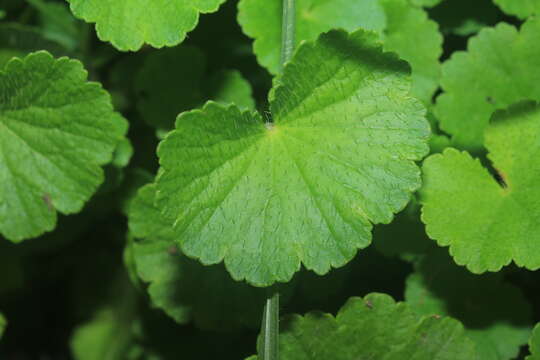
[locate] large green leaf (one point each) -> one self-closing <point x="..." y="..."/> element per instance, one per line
<point x="534" y="344"/>
<point x="183" y="288"/>
<point x="128" y="24"/>
<point x="56" y="130"/>
<point x="375" y="327"/>
<point x="519" y="8"/>
<point x="495" y="314"/>
<point x="490" y="224"/>
<point x="475" y="82"/>
<point x="176" y="80"/>
<point x="338" y="156"/>
<point x="403" y="28"/>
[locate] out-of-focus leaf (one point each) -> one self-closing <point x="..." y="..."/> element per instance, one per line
<point x="175" y="80"/>
<point x="495" y="314"/>
<point x="58" y="24"/>
<point x="18" y="41"/>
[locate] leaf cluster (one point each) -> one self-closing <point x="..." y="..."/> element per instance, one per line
<point x="162" y="172"/>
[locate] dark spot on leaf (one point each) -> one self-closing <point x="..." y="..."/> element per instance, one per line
<point x="490" y="100"/>
<point x="47" y="200"/>
<point x="172" y="250"/>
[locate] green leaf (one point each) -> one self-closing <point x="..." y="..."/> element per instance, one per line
<point x="475" y="82"/>
<point x="56" y="130"/>
<point x="129" y="24"/>
<point x="112" y="330"/>
<point x="3" y="324"/>
<point x="122" y="154"/>
<point x="229" y="87"/>
<point x="375" y="327"/>
<point x="415" y="38"/>
<point x="534" y="344"/>
<point x="491" y="224"/>
<point x="339" y="156"/>
<point x="519" y="8"/>
<point x="499" y="325"/>
<point x="176" y="80"/>
<point x="261" y="20"/>
<point x="17" y="41"/>
<point x="425" y="3"/>
<point x="403" y="28"/>
<point x="104" y="337"/>
<point x="57" y="23"/>
<point x="438" y="143"/>
<point x="183" y="288"/>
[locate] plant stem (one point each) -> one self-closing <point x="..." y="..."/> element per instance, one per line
<point x="287" y="31"/>
<point x="270" y="329"/>
<point x="269" y="341"/>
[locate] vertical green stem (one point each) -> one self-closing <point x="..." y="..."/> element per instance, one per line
<point x="269" y="345"/>
<point x="287" y="30"/>
<point x="269" y="341"/>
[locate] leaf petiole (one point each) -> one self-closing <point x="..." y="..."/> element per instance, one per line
<point x="270" y="321"/>
<point x="288" y="31"/>
<point x="270" y="328"/>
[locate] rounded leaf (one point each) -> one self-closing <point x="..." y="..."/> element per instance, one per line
<point x="339" y="156"/>
<point x="519" y="8"/>
<point x="129" y="24"/>
<point x="475" y="82"/>
<point x="56" y="131"/>
<point x="492" y="222"/>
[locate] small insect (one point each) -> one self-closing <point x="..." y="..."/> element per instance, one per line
<point x="369" y="304"/>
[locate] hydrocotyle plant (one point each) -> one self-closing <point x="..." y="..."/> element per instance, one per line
<point x="257" y="149"/>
